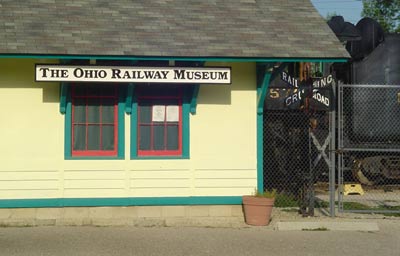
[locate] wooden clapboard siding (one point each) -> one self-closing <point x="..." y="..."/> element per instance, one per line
<point x="222" y="145"/>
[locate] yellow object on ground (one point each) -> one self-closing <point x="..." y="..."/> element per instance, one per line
<point x="352" y="189"/>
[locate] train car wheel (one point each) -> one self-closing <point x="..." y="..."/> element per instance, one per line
<point x="359" y="175"/>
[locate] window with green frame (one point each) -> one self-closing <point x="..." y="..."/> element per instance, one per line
<point x="94" y="121"/>
<point x="160" y="121"/>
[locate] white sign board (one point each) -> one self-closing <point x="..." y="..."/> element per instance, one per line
<point x="172" y="113"/>
<point x="188" y="75"/>
<point x="158" y="113"/>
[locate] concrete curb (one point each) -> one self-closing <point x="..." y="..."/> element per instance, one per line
<point x="327" y="225"/>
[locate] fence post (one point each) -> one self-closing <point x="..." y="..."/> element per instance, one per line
<point x="332" y="148"/>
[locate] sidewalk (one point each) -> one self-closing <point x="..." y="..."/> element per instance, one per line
<point x="229" y="216"/>
<point x="110" y="241"/>
<point x="319" y="235"/>
<point x="285" y="219"/>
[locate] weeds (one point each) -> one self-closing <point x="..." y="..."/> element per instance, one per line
<point x="285" y="200"/>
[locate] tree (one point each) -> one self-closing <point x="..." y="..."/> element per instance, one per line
<point x="386" y="12"/>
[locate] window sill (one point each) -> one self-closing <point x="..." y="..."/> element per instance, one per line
<point x="159" y="157"/>
<point x="94" y="158"/>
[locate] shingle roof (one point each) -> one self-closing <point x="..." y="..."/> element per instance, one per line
<point x="180" y="28"/>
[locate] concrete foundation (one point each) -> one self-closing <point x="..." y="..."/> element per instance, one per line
<point x="140" y="216"/>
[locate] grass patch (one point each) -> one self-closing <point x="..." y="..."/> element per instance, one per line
<point x="285" y="200"/>
<point x="357" y="206"/>
<point x="391" y="208"/>
<point x="321" y="204"/>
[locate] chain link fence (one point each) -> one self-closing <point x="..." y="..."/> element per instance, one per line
<point x="369" y="148"/>
<point x="286" y="161"/>
<point x="298" y="141"/>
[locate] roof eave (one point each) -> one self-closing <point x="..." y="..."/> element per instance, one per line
<point x="177" y="58"/>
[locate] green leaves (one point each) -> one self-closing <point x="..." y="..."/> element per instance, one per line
<point x="386" y="12"/>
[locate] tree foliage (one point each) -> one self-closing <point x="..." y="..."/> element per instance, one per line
<point x="386" y="12"/>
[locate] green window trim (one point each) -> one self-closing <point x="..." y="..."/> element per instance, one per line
<point x="65" y="92"/>
<point x="63" y="97"/>
<point x="264" y="78"/>
<point x="129" y="95"/>
<point x="193" y="102"/>
<point x="186" y="105"/>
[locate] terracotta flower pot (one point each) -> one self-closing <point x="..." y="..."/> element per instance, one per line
<point x="257" y="210"/>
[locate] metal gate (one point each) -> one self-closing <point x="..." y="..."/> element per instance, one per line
<point x="369" y="148"/>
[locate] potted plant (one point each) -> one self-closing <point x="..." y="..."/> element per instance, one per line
<point x="258" y="207"/>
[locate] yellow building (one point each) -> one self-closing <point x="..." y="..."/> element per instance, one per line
<point x="155" y="103"/>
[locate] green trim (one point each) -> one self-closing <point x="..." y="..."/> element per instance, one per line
<point x="134" y="117"/>
<point x="63" y="97"/>
<point x="122" y="201"/>
<point x="185" y="131"/>
<point x="260" y="151"/>
<point x="193" y="103"/>
<point x="128" y="103"/>
<point x="186" y="127"/>
<point x="262" y="88"/>
<point x="121" y="131"/>
<point x="262" y="93"/>
<point x="189" y="58"/>
<point x="121" y="125"/>
<point x="30" y="203"/>
<point x="68" y="129"/>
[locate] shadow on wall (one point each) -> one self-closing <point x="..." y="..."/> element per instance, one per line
<point x="243" y="79"/>
<point x="215" y="94"/>
<point x="51" y="93"/>
<point x="20" y="74"/>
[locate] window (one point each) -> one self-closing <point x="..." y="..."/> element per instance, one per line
<point x="94" y="124"/>
<point x="160" y="125"/>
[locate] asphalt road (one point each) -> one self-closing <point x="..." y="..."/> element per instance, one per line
<point x="97" y="241"/>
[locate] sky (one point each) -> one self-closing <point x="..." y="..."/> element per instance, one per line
<point x="349" y="9"/>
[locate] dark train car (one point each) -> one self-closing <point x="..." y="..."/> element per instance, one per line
<point x="380" y="67"/>
<point x="371" y="106"/>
